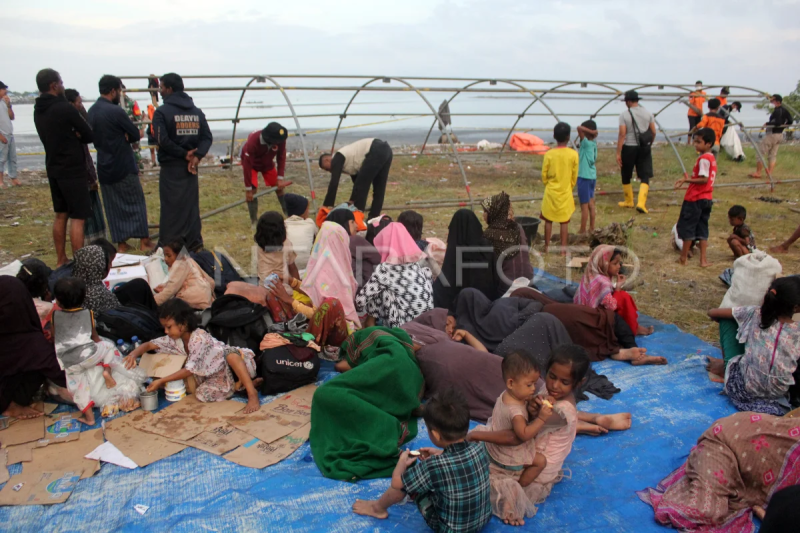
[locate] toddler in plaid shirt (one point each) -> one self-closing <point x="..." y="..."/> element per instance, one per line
<point x="449" y="485"/>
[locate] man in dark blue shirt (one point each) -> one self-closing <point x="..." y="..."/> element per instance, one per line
<point x="778" y="120"/>
<point x="184" y="138"/>
<point x="117" y="170"/>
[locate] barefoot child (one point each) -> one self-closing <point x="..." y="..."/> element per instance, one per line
<point x="512" y="502"/>
<point x="742" y="241"/>
<point x="587" y="172"/>
<point x="559" y="175"/>
<point x="87" y="360"/>
<point x="450" y="486"/>
<point x="696" y="208"/>
<point x="275" y="253"/>
<point x="521" y="374"/>
<point x="220" y="370"/>
<point x="186" y="280"/>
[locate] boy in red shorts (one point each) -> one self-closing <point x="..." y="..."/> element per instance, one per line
<point x="696" y="208"/>
<point x="259" y="154"/>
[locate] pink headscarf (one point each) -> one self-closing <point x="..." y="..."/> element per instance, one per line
<point x="329" y="273"/>
<point x="596" y="283"/>
<point x="396" y="245"/>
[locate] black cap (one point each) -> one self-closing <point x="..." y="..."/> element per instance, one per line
<point x="698" y="82"/>
<point x="274" y="133"/>
<point x="725" y="90"/>
<point x="777" y="97"/>
<point x="3" y="85"/>
<point x="631" y="96"/>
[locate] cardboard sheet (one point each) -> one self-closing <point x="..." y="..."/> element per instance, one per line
<point x="22" y="431"/>
<point x="4" y="475"/>
<point x="141" y="447"/>
<point x="40" y="488"/>
<point x="278" y="418"/>
<point x="161" y="365"/>
<point x="187" y="418"/>
<point x="61" y="428"/>
<point x="21" y="453"/>
<point x="260" y="454"/>
<point x="219" y="440"/>
<point x="67" y="456"/>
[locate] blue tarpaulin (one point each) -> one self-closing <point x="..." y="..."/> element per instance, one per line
<point x="196" y="491"/>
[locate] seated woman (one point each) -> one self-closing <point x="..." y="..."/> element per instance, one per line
<point x="739" y="463"/>
<point x="187" y="280"/>
<point x="759" y="380"/>
<point x="136" y="291"/>
<point x="27" y="359"/>
<point x="478" y="268"/>
<point x="599" y="284"/>
<point x="462" y="361"/>
<point x="275" y="254"/>
<point x="507" y="237"/>
<point x="365" y="257"/>
<point x="399" y="290"/>
<point x="602" y="332"/>
<point x="36" y="275"/>
<point x="360" y="419"/>
<point x="91" y="266"/>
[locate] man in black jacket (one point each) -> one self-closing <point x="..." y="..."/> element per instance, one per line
<point x="118" y="173"/>
<point x="184" y="138"/>
<point x="63" y="132"/>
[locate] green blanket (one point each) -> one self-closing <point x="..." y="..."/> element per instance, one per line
<point x="360" y="418"/>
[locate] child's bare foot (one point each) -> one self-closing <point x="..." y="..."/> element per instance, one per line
<point x="15" y="410"/>
<point x="87" y="417"/>
<point x="754" y="175"/>
<point x="15" y="182"/>
<point x="681" y="261"/>
<point x="370" y="508"/>
<point x="649" y="360"/>
<point x="759" y="512"/>
<point x="643" y="331"/>
<point x="705" y="264"/>
<point x="253" y="404"/>
<point x="716" y="366"/>
<point x="509" y="518"/>
<point x="780" y="249"/>
<point x="110" y="382"/>
<point x="587" y="428"/>
<point x="615" y="422"/>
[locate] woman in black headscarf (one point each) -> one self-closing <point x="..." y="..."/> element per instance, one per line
<point x="478" y="268"/>
<point x="365" y="257"/>
<point x="26" y="358"/>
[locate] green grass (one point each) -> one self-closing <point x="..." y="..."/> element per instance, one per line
<point x="674" y="294"/>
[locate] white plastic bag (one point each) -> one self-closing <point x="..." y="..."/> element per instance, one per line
<point x="732" y="144"/>
<point x="157" y="270"/>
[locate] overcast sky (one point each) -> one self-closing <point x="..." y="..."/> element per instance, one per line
<point x="676" y="41"/>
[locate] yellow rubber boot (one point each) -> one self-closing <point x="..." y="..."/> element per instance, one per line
<point x="641" y="204"/>
<point x="628" y="190"/>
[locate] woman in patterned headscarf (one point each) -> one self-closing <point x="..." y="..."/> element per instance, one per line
<point x="91" y="266"/>
<point x="506" y="236"/>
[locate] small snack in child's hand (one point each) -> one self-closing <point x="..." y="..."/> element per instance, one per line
<point x="546" y="402"/>
<point x="414" y="453"/>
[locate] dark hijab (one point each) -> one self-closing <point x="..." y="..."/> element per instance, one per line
<point x="465" y="231"/>
<point x="502" y="232"/>
<point x="24" y="352"/>
<point x="341" y="217"/>
<point x="91" y="265"/>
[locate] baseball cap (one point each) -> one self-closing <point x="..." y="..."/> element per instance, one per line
<point x="274" y="133"/>
<point x="632" y="96"/>
<point x="777" y="97"/>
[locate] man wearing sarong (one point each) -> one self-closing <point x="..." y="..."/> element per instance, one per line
<point x="184" y="138"/>
<point x="118" y="173"/>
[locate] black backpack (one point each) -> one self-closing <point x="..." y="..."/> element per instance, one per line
<point x="237" y="321"/>
<point x="128" y="321"/>
<point x="219" y="267"/>
<point x="64" y="271"/>
<point x="286" y="368"/>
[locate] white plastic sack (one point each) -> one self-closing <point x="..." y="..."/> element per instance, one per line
<point x="732" y="145"/>
<point x="11" y="269"/>
<point x="157" y="270"/>
<point x="486" y="145"/>
<point x="752" y="275"/>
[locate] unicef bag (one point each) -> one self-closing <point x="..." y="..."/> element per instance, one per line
<point x="286" y="368"/>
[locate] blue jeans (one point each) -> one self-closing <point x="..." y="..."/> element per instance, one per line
<point x="8" y="154"/>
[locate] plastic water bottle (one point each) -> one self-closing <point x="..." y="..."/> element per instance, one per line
<point x="135" y="342"/>
<point x="123" y="347"/>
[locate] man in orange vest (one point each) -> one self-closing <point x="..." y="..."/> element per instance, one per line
<point x="696" y="100"/>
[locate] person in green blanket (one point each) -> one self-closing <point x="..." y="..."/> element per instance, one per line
<point x="360" y="419"/>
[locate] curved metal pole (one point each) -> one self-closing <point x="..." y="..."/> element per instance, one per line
<point x="674" y="148"/>
<point x="346" y="108"/>
<point x="758" y="153"/>
<point x="236" y="117"/>
<point x="541" y="99"/>
<point x="302" y="135"/>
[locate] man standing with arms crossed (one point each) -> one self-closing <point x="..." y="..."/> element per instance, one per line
<point x="8" y="149"/>
<point x="184" y="138"/>
<point x="63" y="132"/>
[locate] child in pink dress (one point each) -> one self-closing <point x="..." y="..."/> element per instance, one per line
<point x="521" y="374"/>
<point x="512" y="502"/>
